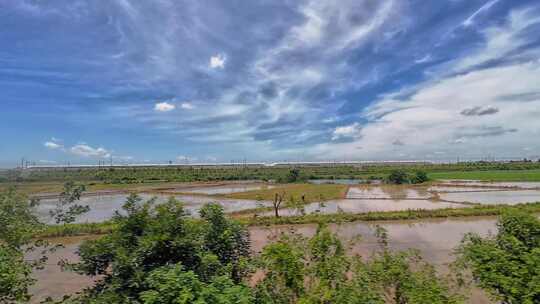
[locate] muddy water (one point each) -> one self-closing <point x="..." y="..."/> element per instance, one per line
<point x="388" y="191"/>
<point x="103" y="207"/>
<point x="366" y="205"/>
<point x="434" y="238"/>
<point x="227" y="189"/>
<point x="51" y="280"/>
<point x="494" y="197"/>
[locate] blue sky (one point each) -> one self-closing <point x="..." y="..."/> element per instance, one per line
<point x="138" y="81"/>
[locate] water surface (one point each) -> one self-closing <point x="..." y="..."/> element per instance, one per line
<point x="494" y="197"/>
<point x="365" y="205"/>
<point x="103" y="207"/>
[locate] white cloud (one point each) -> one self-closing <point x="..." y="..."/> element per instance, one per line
<point x="164" y="107"/>
<point x="501" y="41"/>
<point x="88" y="151"/>
<point x="218" y="61"/>
<point x="427" y="120"/>
<point x="349" y="131"/>
<point x="52" y="145"/>
<point x="187" y="106"/>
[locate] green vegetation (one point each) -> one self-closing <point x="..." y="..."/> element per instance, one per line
<point x="478" y="210"/>
<point x="317" y="270"/>
<point x="18" y="223"/>
<point x="506" y="265"/>
<point x="399" y="177"/>
<point x="298" y="192"/>
<point x="145" y="179"/>
<point x="106" y="175"/>
<point x="492" y="175"/>
<point x="158" y="254"/>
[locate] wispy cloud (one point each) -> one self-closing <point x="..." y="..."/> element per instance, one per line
<point x="470" y="20"/>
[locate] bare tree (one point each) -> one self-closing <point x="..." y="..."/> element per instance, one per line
<point x="278" y="199"/>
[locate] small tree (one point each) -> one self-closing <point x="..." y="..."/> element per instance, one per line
<point x="398" y="177"/>
<point x="66" y="210"/>
<point x="278" y="200"/>
<point x="419" y="177"/>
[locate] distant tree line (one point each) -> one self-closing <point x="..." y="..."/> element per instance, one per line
<point x="190" y="174"/>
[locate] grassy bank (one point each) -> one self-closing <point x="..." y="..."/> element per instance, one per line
<point x="76" y="229"/>
<point x="494" y="175"/>
<point x="486" y="210"/>
<point x="311" y="192"/>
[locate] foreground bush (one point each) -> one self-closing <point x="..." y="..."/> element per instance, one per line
<point x="158" y="254"/>
<point x="507" y="265"/>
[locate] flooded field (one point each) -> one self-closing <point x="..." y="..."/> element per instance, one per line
<point x="475" y="183"/>
<point x="494" y="197"/>
<point x="435" y="239"/>
<point x="359" y="198"/>
<point x="366" y="205"/>
<point x="388" y="192"/>
<point x="103" y="207"/>
<point x="443" y="189"/>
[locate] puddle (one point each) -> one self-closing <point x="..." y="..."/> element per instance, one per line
<point x="103" y="207"/>
<point x="494" y="197"/>
<point x="388" y="191"/>
<point x="365" y="205"/>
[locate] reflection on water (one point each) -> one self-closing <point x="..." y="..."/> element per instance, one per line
<point x="435" y="239"/>
<point x="388" y="191"/>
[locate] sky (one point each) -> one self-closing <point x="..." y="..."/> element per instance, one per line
<point x="268" y="80"/>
